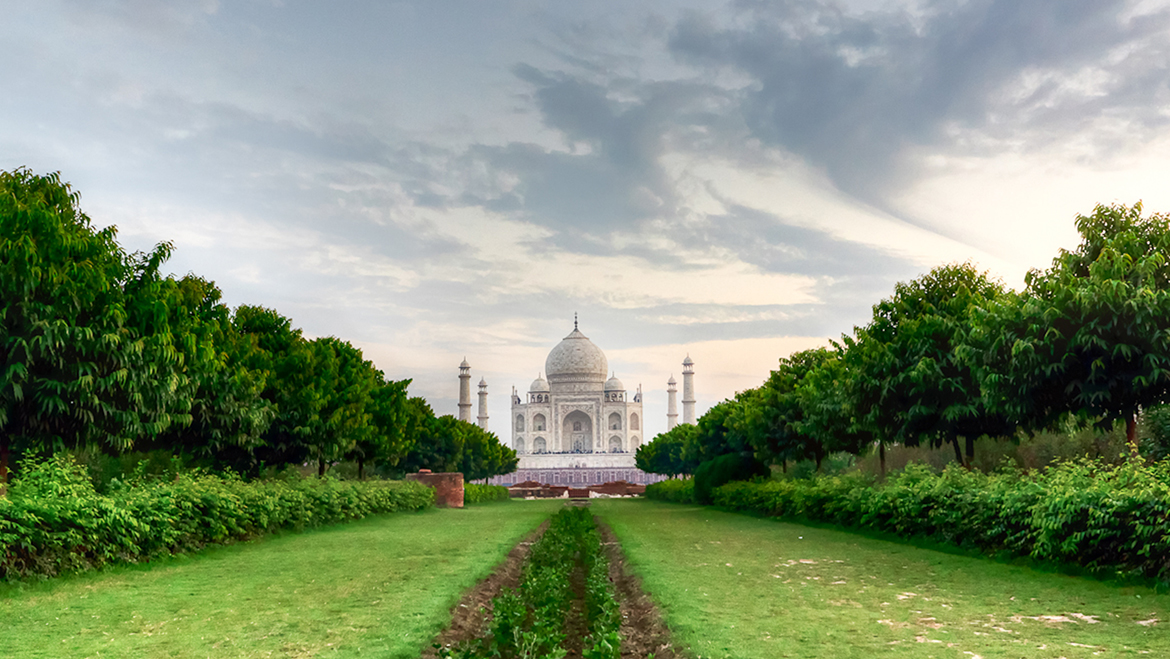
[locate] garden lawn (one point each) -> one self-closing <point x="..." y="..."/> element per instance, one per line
<point x="732" y="585"/>
<point x="379" y="587"/>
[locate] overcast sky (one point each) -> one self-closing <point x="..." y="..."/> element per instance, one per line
<point x="434" y="180"/>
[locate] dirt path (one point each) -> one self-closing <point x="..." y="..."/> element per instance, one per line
<point x="644" y="634"/>
<point x="470" y="617"/>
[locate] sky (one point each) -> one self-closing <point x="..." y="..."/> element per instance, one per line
<point x="734" y="181"/>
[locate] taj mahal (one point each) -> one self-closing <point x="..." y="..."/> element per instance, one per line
<point x="577" y="424"/>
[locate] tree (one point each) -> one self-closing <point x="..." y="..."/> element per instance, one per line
<point x="907" y="382"/>
<point x="483" y="455"/>
<point x="1089" y="336"/>
<point x="279" y="352"/>
<point x="773" y="418"/>
<point x="715" y="435"/>
<point x="828" y="415"/>
<point x="664" y="454"/>
<point x="343" y="382"/>
<point x="388" y="441"/>
<point x="448" y="444"/>
<point x="228" y="414"/>
<point x="85" y="352"/>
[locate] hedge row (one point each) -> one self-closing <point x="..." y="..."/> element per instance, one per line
<point x="1085" y="513"/>
<point x="54" y="521"/>
<point x="476" y="493"/>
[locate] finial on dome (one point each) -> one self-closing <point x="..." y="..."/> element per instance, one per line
<point x="574" y="320"/>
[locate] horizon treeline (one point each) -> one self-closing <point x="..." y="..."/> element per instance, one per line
<point x="100" y="350"/>
<point x="954" y="356"/>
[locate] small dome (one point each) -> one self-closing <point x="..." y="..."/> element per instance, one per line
<point x="576" y="359"/>
<point x="687" y="361"/>
<point x="614" y="384"/>
<point x="465" y="364"/>
<point x="482" y="382"/>
<point x="671" y="380"/>
<point x="539" y="385"/>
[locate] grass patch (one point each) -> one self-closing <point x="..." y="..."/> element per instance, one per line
<point x="730" y="585"/>
<point x="380" y="587"/>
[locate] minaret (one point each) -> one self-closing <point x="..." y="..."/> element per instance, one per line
<point x="465" y="391"/>
<point x="483" y="415"/>
<point x="671" y="403"/>
<point x="688" y="390"/>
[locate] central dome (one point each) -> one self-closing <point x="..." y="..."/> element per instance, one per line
<point x="576" y="360"/>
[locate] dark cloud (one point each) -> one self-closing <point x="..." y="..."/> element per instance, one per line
<point x="850" y="92"/>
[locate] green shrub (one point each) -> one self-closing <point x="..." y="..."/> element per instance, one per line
<point x="1156" y="440"/>
<point x="675" y="490"/>
<point x="725" y="469"/>
<point x="1083" y="512"/>
<point x="54" y="521"/>
<point x="476" y="493"/>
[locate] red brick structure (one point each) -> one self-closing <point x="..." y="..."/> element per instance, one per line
<point x="532" y="489"/>
<point x="448" y="486"/>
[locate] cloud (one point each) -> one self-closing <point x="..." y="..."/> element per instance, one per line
<point x="851" y="91"/>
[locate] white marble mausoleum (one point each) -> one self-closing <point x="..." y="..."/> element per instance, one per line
<point x="575" y="426"/>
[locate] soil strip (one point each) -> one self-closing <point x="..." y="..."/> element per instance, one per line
<point x="644" y="634"/>
<point x="471" y="616"/>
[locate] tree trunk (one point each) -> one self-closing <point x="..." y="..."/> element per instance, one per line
<point x="784" y="466"/>
<point x="970" y="451"/>
<point x="1131" y="437"/>
<point x="361" y="469"/>
<point x="958" y="451"/>
<point x="320" y="467"/>
<point x="882" y="459"/>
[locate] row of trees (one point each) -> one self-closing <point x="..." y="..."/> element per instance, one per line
<point x="954" y="356"/>
<point x="99" y="348"/>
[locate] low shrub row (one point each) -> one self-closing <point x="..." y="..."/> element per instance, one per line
<point x="674" y="490"/>
<point x="531" y="620"/>
<point x="476" y="493"/>
<point x="1102" y="517"/>
<point x="54" y="521"/>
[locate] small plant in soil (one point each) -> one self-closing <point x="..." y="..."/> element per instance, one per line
<point x="564" y="603"/>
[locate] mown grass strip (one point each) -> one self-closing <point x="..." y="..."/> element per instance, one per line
<point x="731" y="585"/>
<point x="379" y="587"/>
<point x="564" y="567"/>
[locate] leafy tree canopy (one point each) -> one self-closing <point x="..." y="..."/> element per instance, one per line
<point x="907" y="383"/>
<point x="664" y="454"/>
<point x="1089" y="336"/>
<point x="86" y="355"/>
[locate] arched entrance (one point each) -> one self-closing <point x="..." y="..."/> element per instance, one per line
<point x="577" y="432"/>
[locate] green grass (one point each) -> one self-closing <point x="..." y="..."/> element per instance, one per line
<point x="380" y="587"/>
<point x="738" y="586"/>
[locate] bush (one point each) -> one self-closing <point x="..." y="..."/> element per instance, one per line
<point x="54" y="520"/>
<point x="674" y="490"/>
<point x="724" y="469"/>
<point x="476" y="493"/>
<point x="1156" y="440"/>
<point x="1083" y="512"/>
